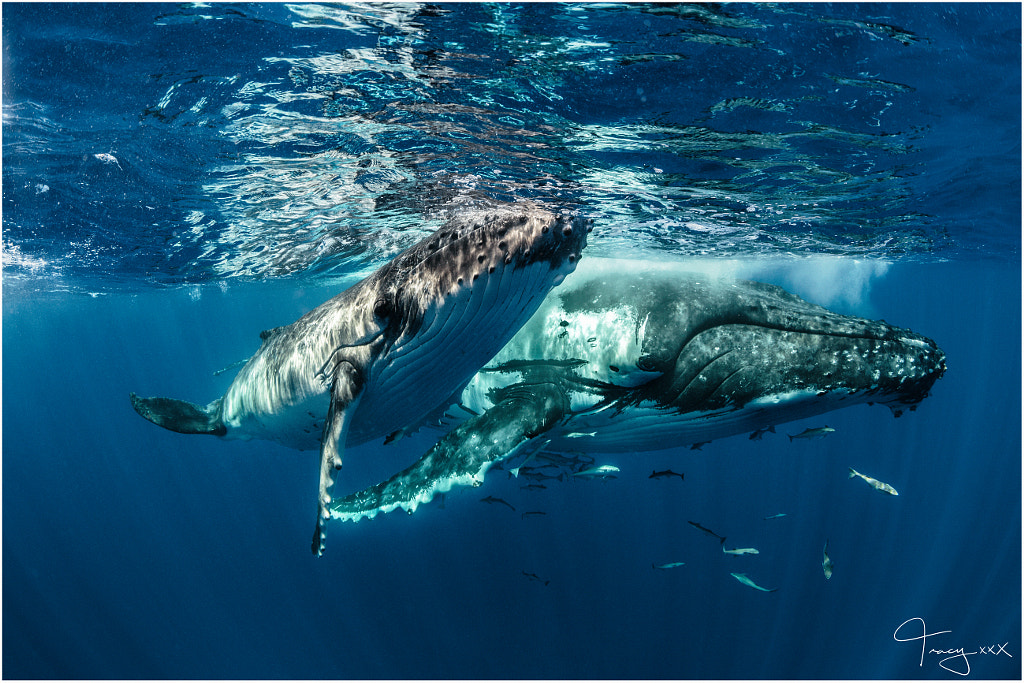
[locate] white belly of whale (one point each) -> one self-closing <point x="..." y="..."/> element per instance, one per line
<point x="299" y="426"/>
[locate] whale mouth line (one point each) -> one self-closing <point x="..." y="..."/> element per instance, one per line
<point x="499" y="242"/>
<point x="892" y="336"/>
<point x="866" y="335"/>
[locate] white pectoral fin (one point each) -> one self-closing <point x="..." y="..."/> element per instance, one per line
<point x="345" y="392"/>
<point x="462" y="456"/>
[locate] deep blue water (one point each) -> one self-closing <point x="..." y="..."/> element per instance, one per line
<point x="178" y="178"/>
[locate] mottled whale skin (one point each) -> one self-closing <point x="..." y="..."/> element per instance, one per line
<point x="376" y="358"/>
<point x="627" y="356"/>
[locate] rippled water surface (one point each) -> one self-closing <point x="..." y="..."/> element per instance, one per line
<point x="177" y="178"/>
<point x="165" y="143"/>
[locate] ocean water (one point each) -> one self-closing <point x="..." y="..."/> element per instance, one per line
<point x="177" y="178"/>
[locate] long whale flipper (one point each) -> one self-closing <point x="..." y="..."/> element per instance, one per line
<point x="463" y="456"/>
<point x="346" y="389"/>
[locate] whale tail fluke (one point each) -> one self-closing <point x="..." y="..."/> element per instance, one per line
<point x="180" y="416"/>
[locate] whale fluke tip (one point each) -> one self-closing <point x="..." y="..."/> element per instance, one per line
<point x="180" y="416"/>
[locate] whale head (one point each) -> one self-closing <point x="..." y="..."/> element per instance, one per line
<point x="748" y="344"/>
<point x="445" y="306"/>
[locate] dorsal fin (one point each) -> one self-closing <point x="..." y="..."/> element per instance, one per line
<point x="267" y="334"/>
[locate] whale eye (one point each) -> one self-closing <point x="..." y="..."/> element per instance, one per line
<point x="382" y="310"/>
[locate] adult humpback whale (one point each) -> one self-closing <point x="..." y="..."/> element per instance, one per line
<point x="377" y="357"/>
<point x="622" y="358"/>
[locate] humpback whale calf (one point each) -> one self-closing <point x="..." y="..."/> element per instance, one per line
<point x="377" y="357"/>
<point x="624" y="358"/>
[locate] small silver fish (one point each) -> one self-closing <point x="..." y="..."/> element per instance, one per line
<point x="874" y="483"/>
<point x="236" y="364"/>
<point x="812" y="433"/>
<point x="826" y="564"/>
<point x="776" y="516"/>
<point x="599" y="472"/>
<point x="741" y="551"/>
<point x="669" y="565"/>
<point x="742" y="578"/>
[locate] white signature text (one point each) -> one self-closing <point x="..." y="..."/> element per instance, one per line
<point x="954" y="659"/>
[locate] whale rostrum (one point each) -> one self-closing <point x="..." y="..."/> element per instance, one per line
<point x="624" y="358"/>
<point x="379" y="356"/>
